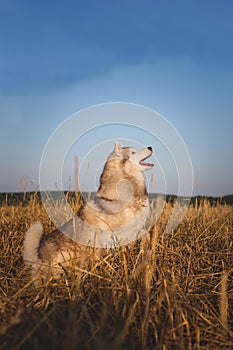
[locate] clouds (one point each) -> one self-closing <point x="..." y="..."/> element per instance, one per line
<point x="48" y="46"/>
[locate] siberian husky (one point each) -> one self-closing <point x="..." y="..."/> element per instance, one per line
<point x="116" y="216"/>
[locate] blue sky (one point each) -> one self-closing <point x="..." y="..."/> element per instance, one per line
<point x="173" y="56"/>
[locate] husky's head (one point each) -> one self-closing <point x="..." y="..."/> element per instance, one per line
<point x="122" y="177"/>
<point x="136" y="157"/>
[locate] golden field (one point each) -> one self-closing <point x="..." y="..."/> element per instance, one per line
<point x="174" y="292"/>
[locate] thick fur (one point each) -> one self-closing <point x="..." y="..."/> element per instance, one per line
<point x="115" y="216"/>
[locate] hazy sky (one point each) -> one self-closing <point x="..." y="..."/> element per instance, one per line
<point x="175" y="57"/>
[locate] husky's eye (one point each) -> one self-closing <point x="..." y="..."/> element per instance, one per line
<point x="133" y="152"/>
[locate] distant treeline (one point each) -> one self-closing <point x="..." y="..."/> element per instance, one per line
<point x="24" y="198"/>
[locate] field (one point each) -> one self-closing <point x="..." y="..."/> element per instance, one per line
<point x="174" y="292"/>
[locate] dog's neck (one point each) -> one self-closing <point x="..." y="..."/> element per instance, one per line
<point x="120" y="182"/>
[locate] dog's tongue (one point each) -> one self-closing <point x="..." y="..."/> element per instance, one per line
<point x="145" y="163"/>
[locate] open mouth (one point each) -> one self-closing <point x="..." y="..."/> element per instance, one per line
<point x="143" y="163"/>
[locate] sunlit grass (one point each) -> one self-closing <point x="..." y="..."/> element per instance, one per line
<point x="174" y="292"/>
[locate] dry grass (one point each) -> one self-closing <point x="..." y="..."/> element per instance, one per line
<point x="174" y="293"/>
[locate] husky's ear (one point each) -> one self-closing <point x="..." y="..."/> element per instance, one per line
<point x="117" y="148"/>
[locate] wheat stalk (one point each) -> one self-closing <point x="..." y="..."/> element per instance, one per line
<point x="223" y="300"/>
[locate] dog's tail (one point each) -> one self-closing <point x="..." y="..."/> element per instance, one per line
<point x="31" y="243"/>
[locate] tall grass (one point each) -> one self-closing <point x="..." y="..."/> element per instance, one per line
<point x="172" y="292"/>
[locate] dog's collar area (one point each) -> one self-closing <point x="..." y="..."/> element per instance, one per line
<point x="104" y="198"/>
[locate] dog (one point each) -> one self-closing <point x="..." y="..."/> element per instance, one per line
<point x="115" y="216"/>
